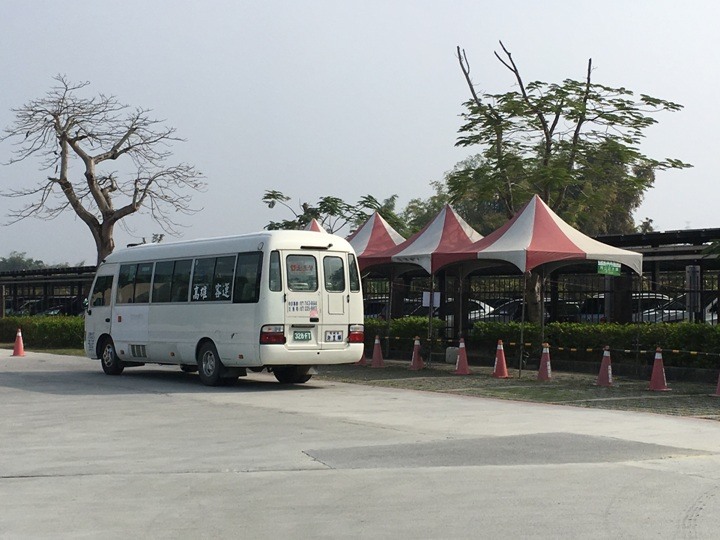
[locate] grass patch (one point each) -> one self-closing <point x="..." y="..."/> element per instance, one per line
<point x="64" y="352"/>
<point x="575" y="389"/>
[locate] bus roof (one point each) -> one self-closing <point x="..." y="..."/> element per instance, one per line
<point x="280" y="239"/>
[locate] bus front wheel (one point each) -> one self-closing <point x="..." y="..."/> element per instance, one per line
<point x="209" y="365"/>
<point x="292" y="374"/>
<point x="108" y="358"/>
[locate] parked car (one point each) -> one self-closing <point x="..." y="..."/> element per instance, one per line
<point x="475" y="309"/>
<point x="377" y="307"/>
<point x="448" y="308"/>
<point x="593" y="308"/>
<point x="567" y="311"/>
<point x="676" y="311"/>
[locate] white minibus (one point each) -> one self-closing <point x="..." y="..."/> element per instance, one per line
<point x="284" y="301"/>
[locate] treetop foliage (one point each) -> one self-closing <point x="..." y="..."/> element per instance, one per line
<point x="331" y="212"/>
<point x="576" y="144"/>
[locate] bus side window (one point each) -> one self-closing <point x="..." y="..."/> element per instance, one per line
<point x="142" y="283"/>
<point x="223" y="277"/>
<point x="354" y="275"/>
<point x="275" y="274"/>
<point x="181" y="281"/>
<point x="126" y="284"/>
<point x="247" y="277"/>
<point x="101" y="291"/>
<point x="202" y="278"/>
<point x="162" y="280"/>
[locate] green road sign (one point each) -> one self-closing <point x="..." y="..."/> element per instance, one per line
<point x="608" y="268"/>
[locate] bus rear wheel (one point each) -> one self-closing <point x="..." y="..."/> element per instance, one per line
<point x="108" y="358"/>
<point x="210" y="367"/>
<point x="292" y="374"/>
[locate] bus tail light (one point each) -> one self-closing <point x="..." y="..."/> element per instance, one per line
<point x="356" y="333"/>
<point x="272" y="334"/>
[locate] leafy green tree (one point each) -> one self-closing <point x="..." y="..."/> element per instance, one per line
<point x="572" y="143"/>
<point x="646" y="226"/>
<point x="575" y="143"/>
<point x="418" y="212"/>
<point x="333" y="213"/>
<point x="19" y="261"/>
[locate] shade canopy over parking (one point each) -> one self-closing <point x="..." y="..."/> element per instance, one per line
<point x="536" y="236"/>
<point x="314" y="225"/>
<point x="446" y="233"/>
<point x="373" y="237"/>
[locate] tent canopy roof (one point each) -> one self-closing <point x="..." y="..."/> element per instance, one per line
<point x="374" y="236"/>
<point x="446" y="233"/>
<point x="537" y="236"/>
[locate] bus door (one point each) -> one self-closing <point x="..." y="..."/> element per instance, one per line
<point x="130" y="328"/>
<point x="98" y="319"/>
<point x="303" y="305"/>
<point x="335" y="318"/>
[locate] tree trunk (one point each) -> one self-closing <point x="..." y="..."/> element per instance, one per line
<point x="104" y="242"/>
<point x="533" y="299"/>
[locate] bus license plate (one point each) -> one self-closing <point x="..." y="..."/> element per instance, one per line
<point x="302" y="335"/>
<point x="333" y="335"/>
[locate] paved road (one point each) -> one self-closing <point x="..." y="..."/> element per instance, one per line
<point x="153" y="453"/>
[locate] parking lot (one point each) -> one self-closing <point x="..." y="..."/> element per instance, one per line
<point x="153" y="453"/>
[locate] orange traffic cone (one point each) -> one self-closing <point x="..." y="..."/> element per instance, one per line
<point x="377" y="359"/>
<point x="605" y="375"/>
<point x="545" y="371"/>
<point x="717" y="391"/>
<point x="658" y="382"/>
<point x="19" y="348"/>
<point x="500" y="371"/>
<point x="417" y="361"/>
<point x="362" y="361"/>
<point x="461" y="366"/>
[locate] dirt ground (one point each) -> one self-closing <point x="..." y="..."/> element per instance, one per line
<point x="575" y="389"/>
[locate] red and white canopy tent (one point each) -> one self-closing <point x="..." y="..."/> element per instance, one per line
<point x="536" y="237"/>
<point x="373" y="237"/>
<point x="446" y="233"/>
<point x="314" y="225"/>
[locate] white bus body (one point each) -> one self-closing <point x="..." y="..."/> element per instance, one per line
<point x="278" y="300"/>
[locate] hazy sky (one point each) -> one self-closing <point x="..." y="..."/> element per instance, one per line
<point x="332" y="97"/>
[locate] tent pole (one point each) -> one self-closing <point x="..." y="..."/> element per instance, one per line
<point x="522" y="325"/>
<point x="460" y="288"/>
<point x="389" y="313"/>
<point x="542" y="306"/>
<point x="431" y="306"/>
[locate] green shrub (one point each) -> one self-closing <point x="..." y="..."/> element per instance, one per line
<point x="688" y="344"/>
<point x="401" y="330"/>
<point x="44" y="332"/>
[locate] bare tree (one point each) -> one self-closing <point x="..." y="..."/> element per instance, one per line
<point x="63" y="128"/>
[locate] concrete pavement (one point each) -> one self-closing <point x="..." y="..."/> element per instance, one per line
<point x="153" y="453"/>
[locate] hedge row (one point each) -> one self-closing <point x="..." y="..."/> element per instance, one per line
<point x="698" y="344"/>
<point x="44" y="332"/>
